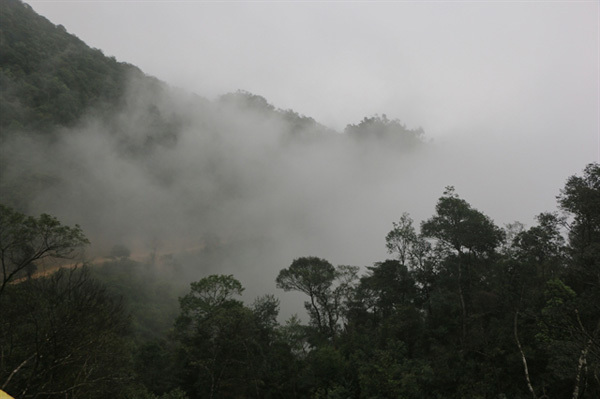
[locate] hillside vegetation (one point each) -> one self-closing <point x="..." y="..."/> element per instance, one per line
<point x="117" y="163"/>
<point x="49" y="77"/>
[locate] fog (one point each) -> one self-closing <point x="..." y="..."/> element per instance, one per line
<point x="233" y="188"/>
<point x="240" y="182"/>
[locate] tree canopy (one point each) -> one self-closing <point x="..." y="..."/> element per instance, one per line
<point x="25" y="240"/>
<point x="466" y="309"/>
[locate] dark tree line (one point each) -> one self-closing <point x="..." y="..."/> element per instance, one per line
<point x="465" y="309"/>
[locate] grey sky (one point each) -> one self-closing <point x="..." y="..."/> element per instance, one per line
<point x="449" y="67"/>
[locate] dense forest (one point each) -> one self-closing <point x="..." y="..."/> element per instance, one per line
<point x="462" y="308"/>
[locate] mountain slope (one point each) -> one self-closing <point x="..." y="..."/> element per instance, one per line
<point x="49" y="77"/>
<point x="136" y="161"/>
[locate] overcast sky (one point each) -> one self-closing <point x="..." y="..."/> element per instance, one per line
<point x="446" y="66"/>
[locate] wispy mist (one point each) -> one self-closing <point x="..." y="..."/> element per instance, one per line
<point x="231" y="187"/>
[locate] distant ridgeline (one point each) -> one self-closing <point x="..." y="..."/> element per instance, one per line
<point x="54" y="87"/>
<point x="383" y="129"/>
<point x="50" y="78"/>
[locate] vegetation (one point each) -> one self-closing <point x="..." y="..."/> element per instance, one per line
<point x="463" y="309"/>
<point x="24" y="240"/>
<point x="48" y="77"/>
<point x="62" y="336"/>
<point x="381" y="129"/>
<point x="466" y="309"/>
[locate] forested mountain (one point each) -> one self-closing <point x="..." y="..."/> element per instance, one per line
<point x="56" y="91"/>
<point x="155" y="204"/>
<point x="49" y="77"/>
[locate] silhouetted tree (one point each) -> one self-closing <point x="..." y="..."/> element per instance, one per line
<point x="25" y="240"/>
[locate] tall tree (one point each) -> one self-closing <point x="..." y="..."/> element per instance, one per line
<point x="220" y="339"/>
<point x="580" y="198"/>
<point x="316" y="277"/>
<point x="468" y="237"/>
<point x="402" y="238"/>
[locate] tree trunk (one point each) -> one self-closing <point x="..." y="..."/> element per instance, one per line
<point x="462" y="306"/>
<point x="523" y="358"/>
<point x="580" y="365"/>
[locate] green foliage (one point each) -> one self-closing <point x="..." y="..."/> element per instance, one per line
<point x="326" y="365"/>
<point x="266" y="309"/>
<point x="557" y="293"/>
<point x="381" y="129"/>
<point x="461" y="228"/>
<point x="316" y="277"/>
<point x="388" y="286"/>
<point x="436" y="322"/>
<point x="209" y="295"/>
<point x="403" y="241"/>
<point x="63" y="335"/>
<point x="247" y="100"/>
<point x="542" y="246"/>
<point x="580" y="198"/>
<point x="297" y="126"/>
<point x="140" y="392"/>
<point x="25" y="240"/>
<point x="221" y="340"/>
<point x="177" y="393"/>
<point x="388" y="373"/>
<point x="148" y="295"/>
<point x="310" y="275"/>
<point x="49" y="77"/>
<point x="154" y="365"/>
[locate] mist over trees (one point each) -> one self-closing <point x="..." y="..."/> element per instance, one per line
<point x="156" y="167"/>
<point x="465" y="309"/>
<point x="234" y="249"/>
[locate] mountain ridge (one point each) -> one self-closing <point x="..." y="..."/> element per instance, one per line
<point x="49" y="78"/>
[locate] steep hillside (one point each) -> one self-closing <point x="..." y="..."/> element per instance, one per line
<point x="134" y="161"/>
<point x="49" y="77"/>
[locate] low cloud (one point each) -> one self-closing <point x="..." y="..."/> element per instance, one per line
<point x="237" y="187"/>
